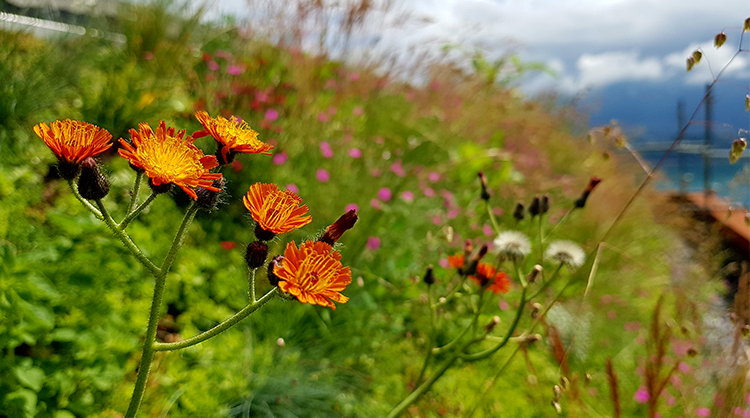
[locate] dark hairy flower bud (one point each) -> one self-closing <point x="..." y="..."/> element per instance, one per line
<point x="544" y="204"/>
<point x="162" y="188"/>
<point x="263" y="234"/>
<point x="92" y="184"/>
<point x="256" y="254"/>
<point x="272" y="278"/>
<point x="336" y="230"/>
<point x="483" y="179"/>
<point x="581" y="201"/>
<point x="68" y="170"/>
<point x="519" y="212"/>
<point x="535" y="272"/>
<point x="535" y="208"/>
<point x="429" y="278"/>
<point x="471" y="267"/>
<point x="208" y="199"/>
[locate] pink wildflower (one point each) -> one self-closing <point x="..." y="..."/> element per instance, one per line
<point x="444" y="263"/>
<point x="702" y="412"/>
<point x="398" y="169"/>
<point x="322" y="175"/>
<point x="373" y="243"/>
<point x="326" y="150"/>
<point x="433" y="176"/>
<point x="641" y="395"/>
<point x="213" y="65"/>
<point x="272" y="115"/>
<point x="487" y="230"/>
<point x="385" y="194"/>
<point x="407" y="196"/>
<point x="429" y="192"/>
<point x="323" y="117"/>
<point x="292" y="188"/>
<point x="355" y="153"/>
<point x="358" y="111"/>
<point x="280" y="158"/>
<point x="234" y="70"/>
<point x="375" y="203"/>
<point x="351" y="206"/>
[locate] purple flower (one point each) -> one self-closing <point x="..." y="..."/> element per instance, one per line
<point x="385" y="194"/>
<point x="352" y="206"/>
<point x="434" y="176"/>
<point x="358" y="111"/>
<point x="429" y="192"/>
<point x="444" y="263"/>
<point x="325" y="149"/>
<point x="375" y="203"/>
<point x="487" y="230"/>
<point x="292" y="188"/>
<point x="213" y="65"/>
<point x="437" y="220"/>
<point x="354" y="76"/>
<point x="272" y="115"/>
<point x="373" y="243"/>
<point x="398" y="169"/>
<point x="322" y="175"/>
<point x="234" y="70"/>
<point x="641" y="395"/>
<point x="355" y="153"/>
<point x="323" y="117"/>
<point x="684" y="368"/>
<point x="280" y="158"/>
<point x="702" y="412"/>
<point x="407" y="196"/>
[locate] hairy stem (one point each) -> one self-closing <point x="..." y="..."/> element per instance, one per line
<point x="132" y="214"/>
<point x="85" y="202"/>
<point x="126" y="241"/>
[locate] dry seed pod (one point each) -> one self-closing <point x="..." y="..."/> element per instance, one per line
<point x="720" y="39"/>
<point x="747" y="25"/>
<point x="697" y="55"/>
<point x="690" y="63"/>
<point x="738" y="147"/>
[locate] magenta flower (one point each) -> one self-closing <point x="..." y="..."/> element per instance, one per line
<point x="280" y="158"/>
<point x="385" y="194"/>
<point x="444" y="263"/>
<point x="373" y="243"/>
<point x="355" y="153"/>
<point x="213" y="65"/>
<point x="703" y="412"/>
<point x="323" y="117"/>
<point x="332" y="110"/>
<point x="437" y="220"/>
<point x="429" y="192"/>
<point x="326" y="150"/>
<point x="271" y="115"/>
<point x="292" y="188"/>
<point x="375" y="172"/>
<point x="685" y="368"/>
<point x="641" y="395"/>
<point x="487" y="230"/>
<point x="433" y="176"/>
<point x="375" y="203"/>
<point x="453" y="213"/>
<point x="322" y="175"/>
<point x="351" y="206"/>
<point x="398" y="169"/>
<point x="354" y="76"/>
<point x="234" y="70"/>
<point x="407" y="196"/>
<point x="503" y="305"/>
<point x="358" y="111"/>
<point x="223" y="54"/>
<point x="261" y="97"/>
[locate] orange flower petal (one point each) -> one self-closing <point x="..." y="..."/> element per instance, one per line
<point x="275" y="210"/>
<point x="73" y="141"/>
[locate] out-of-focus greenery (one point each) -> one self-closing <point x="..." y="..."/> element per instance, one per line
<point x="73" y="305"/>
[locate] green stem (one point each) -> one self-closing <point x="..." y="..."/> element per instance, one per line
<point x="497" y="376"/>
<point x="547" y="283"/>
<point x="448" y="296"/>
<point x="136" y="190"/>
<point x="126" y="241"/>
<point x="431" y="337"/>
<point x="488" y="352"/>
<point x="565" y="217"/>
<point x="495" y="226"/>
<point x="132" y="214"/>
<point x="85" y="202"/>
<point x="251" y="287"/>
<point x="228" y="323"/>
<point x="153" y="319"/>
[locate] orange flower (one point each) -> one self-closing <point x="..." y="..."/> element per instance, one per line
<point x="168" y="157"/>
<point x="274" y="210"/>
<point x="456" y="261"/>
<point x="313" y="274"/>
<point x="73" y="141"/>
<point x="233" y="136"/>
<point x="485" y="273"/>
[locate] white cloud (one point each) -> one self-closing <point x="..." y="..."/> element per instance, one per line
<point x="712" y="62"/>
<point x="596" y="70"/>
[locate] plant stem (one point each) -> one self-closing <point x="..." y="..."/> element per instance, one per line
<point x="488" y="352"/>
<point x="85" y="202"/>
<point x="431" y="338"/>
<point x="136" y="190"/>
<point x="132" y="214"/>
<point x="228" y="323"/>
<point x="126" y="241"/>
<point x="153" y="319"/>
<point x="251" y="285"/>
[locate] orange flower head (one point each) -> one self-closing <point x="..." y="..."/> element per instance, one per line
<point x="73" y="141"/>
<point x="456" y="261"/>
<point x="168" y="157"/>
<point x="275" y="211"/>
<point x="485" y="273"/>
<point x="313" y="274"/>
<point x="233" y="135"/>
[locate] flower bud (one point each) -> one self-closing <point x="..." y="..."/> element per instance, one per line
<point x="485" y="194"/>
<point x="690" y="63"/>
<point x="720" y="39"/>
<point x="208" y="199"/>
<point x="162" y="188"/>
<point x="429" y="278"/>
<point x="336" y="230"/>
<point x="256" y="254"/>
<point x="535" y="309"/>
<point x="581" y="201"/>
<point x="746" y="27"/>
<point x="519" y="212"/>
<point x="738" y="147"/>
<point x="272" y="278"/>
<point x="220" y="157"/>
<point x="545" y="204"/>
<point x="535" y="272"/>
<point x="262" y="234"/>
<point x="68" y="170"/>
<point x="535" y="208"/>
<point x="493" y="323"/>
<point x="92" y="184"/>
<point x="471" y="266"/>
<point x="697" y="55"/>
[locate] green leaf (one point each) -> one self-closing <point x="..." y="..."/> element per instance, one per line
<point x="31" y="377"/>
<point x="21" y="403"/>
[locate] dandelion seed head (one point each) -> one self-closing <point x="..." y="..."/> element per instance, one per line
<point x="566" y="252"/>
<point x="513" y="245"/>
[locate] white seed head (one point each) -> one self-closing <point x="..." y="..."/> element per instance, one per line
<point x="566" y="252"/>
<point x="513" y="245"/>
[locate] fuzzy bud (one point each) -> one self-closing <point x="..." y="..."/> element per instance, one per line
<point x="208" y="199"/>
<point x="485" y="194"/>
<point x="162" y="188"/>
<point x="68" y="170"/>
<point x="262" y="234"/>
<point x="593" y="182"/>
<point x="429" y="278"/>
<point x="519" y="212"/>
<point x="535" y="309"/>
<point x="535" y="208"/>
<point x="720" y="39"/>
<point x="535" y="272"/>
<point x="336" y="230"/>
<point x="92" y="184"/>
<point x="471" y="267"/>
<point x="738" y="147"/>
<point x="272" y="278"/>
<point x="493" y="323"/>
<point x="256" y="254"/>
<point x="697" y="55"/>
<point x="545" y="204"/>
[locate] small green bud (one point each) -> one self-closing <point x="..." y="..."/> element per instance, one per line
<point x="697" y="55"/>
<point x="747" y="25"/>
<point x="720" y="39"/>
<point x="738" y="147"/>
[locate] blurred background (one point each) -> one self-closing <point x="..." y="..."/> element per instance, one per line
<point x="391" y="108"/>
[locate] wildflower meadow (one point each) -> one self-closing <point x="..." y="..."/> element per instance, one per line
<point x="206" y="219"/>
